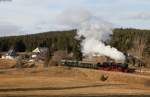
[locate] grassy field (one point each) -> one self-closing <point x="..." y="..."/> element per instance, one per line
<point x="63" y="81"/>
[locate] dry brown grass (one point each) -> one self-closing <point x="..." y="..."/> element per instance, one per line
<point x="69" y="81"/>
<point x="5" y="63"/>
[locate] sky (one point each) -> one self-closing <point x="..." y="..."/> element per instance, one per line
<point x="19" y="17"/>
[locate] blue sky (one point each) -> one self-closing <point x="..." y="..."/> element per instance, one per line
<point x="33" y="16"/>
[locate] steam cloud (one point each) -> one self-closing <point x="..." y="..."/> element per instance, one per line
<point x="95" y="31"/>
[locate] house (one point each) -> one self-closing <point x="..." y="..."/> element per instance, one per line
<point x="9" y="55"/>
<point x="39" y="53"/>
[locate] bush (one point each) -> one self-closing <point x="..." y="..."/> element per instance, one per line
<point x="104" y="77"/>
<point x="57" y="57"/>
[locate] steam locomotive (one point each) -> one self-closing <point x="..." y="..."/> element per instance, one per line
<point x="107" y="66"/>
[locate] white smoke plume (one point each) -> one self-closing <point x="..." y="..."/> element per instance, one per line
<point x="96" y="32"/>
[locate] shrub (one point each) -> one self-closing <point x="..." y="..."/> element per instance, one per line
<point x="104" y="77"/>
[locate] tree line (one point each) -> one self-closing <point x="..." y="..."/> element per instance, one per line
<point x="122" y="39"/>
<point x="54" y="40"/>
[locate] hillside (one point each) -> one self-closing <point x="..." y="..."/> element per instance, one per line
<point x="56" y="40"/>
<point x="33" y="40"/>
<point x="126" y="40"/>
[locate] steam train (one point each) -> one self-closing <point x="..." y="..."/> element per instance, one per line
<point x="106" y="66"/>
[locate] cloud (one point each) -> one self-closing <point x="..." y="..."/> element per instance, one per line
<point x="32" y="16"/>
<point x="26" y="15"/>
<point x="74" y="17"/>
<point x="139" y="16"/>
<point x="8" y="29"/>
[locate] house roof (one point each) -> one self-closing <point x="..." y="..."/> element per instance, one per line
<point x="36" y="50"/>
<point x="40" y="50"/>
<point x="11" y="52"/>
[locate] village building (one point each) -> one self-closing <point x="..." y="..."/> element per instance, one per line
<point x="39" y="53"/>
<point x="11" y="54"/>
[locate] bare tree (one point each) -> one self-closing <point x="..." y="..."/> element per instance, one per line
<point x="138" y="48"/>
<point x="57" y="56"/>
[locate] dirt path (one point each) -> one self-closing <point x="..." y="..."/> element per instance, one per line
<point x="60" y="88"/>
